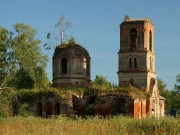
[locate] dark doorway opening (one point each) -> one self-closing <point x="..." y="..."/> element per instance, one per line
<point x="49" y="109"/>
<point x="57" y="106"/>
<point x="122" y="107"/>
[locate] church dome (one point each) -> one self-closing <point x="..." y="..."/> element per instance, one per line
<point x="71" y="65"/>
<point x="71" y="49"/>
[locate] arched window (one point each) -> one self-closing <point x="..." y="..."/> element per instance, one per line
<point x="64" y="66"/>
<point x="88" y="67"/>
<point x="135" y="63"/>
<point x="84" y="64"/>
<point x="130" y="63"/>
<point x="150" y="40"/>
<point x="133" y="38"/>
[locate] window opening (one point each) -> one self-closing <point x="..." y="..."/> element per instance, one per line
<point x="64" y="66"/>
<point x="150" y="40"/>
<point x="133" y="38"/>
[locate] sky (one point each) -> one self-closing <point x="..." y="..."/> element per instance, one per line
<point x="95" y="25"/>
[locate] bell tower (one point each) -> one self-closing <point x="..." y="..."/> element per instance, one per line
<point x="136" y="54"/>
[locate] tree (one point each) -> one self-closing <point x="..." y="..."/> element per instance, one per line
<point x="27" y="51"/>
<point x="21" y="55"/>
<point x="177" y="86"/>
<point x="101" y="80"/>
<point x="176" y="93"/>
<point x="163" y="91"/>
<point x="6" y="56"/>
<point x="28" y="56"/>
<point x="59" y="33"/>
<point x="172" y="97"/>
<point x="40" y="77"/>
<point x="162" y="87"/>
<point x="22" y="80"/>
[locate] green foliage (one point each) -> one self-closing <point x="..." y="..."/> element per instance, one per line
<point x="66" y="46"/>
<point x="5" y="99"/>
<point x="22" y="80"/>
<point x="6" y="55"/>
<point x="163" y="91"/>
<point x="90" y="110"/>
<point x="28" y="54"/>
<point x="175" y="94"/>
<point x="172" y="97"/>
<point x="23" y="111"/>
<point x="101" y="80"/>
<point x="126" y="18"/>
<point x="72" y="40"/>
<point x="22" y="62"/>
<point x="177" y="86"/>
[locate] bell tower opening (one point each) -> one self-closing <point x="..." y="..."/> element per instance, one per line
<point x="150" y="40"/>
<point x="133" y="38"/>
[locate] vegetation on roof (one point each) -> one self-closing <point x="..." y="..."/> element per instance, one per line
<point x="127" y="18"/>
<point x="67" y="93"/>
<point x="71" y="44"/>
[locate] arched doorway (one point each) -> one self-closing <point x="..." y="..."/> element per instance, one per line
<point x="122" y="106"/>
<point x="49" y="108"/>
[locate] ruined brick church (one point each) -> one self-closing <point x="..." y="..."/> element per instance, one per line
<point x="71" y="67"/>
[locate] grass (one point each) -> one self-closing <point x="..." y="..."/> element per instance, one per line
<point x="116" y="125"/>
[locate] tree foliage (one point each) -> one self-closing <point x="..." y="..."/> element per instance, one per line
<point x="172" y="97"/>
<point x="21" y="56"/>
<point x="101" y="80"/>
<point x="22" y="80"/>
<point x="6" y="55"/>
<point x="28" y="54"/>
<point x="176" y="93"/>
